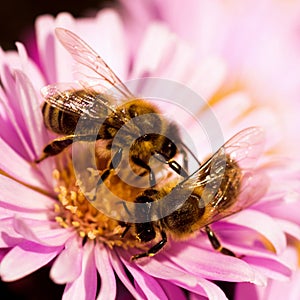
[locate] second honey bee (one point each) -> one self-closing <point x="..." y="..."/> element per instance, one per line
<point x="225" y="184"/>
<point x="104" y="116"/>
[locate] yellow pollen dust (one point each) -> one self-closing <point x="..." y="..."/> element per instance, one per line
<point x="73" y="210"/>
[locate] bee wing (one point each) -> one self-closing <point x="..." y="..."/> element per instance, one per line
<point x="254" y="186"/>
<point x="86" y="56"/>
<point x="77" y="100"/>
<point x="244" y="148"/>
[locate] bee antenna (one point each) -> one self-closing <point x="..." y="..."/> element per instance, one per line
<point x="191" y="152"/>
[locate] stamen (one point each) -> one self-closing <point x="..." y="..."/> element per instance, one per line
<point x="73" y="210"/>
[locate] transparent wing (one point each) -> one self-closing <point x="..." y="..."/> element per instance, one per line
<point x="77" y="100"/>
<point x="253" y="188"/>
<point x="227" y="182"/>
<point x="244" y="148"/>
<point x="86" y="56"/>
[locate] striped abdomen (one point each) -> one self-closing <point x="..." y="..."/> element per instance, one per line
<point x="59" y="121"/>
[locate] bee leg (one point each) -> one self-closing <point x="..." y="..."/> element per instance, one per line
<point x="59" y="144"/>
<point x="191" y="153"/>
<point x="113" y="164"/>
<point x="185" y="160"/>
<point x="216" y="243"/>
<point x="126" y="230"/>
<point x="55" y="147"/>
<point x="125" y="207"/>
<point x="153" y="250"/>
<point x="174" y="165"/>
<point x="142" y="164"/>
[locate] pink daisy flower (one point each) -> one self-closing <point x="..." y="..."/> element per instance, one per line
<point x="260" y="46"/>
<point x="45" y="218"/>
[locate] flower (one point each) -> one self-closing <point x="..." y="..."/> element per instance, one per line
<point x="259" y="44"/>
<point x="45" y="217"/>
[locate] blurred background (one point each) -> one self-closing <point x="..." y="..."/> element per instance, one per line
<point x="17" y="17"/>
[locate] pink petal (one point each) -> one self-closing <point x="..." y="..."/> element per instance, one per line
<point x="36" y="215"/>
<point x="162" y="268"/>
<point x="108" y="280"/>
<point x="266" y="263"/>
<point x="9" y="134"/>
<point x="42" y="232"/>
<point x="111" y="29"/>
<point x="246" y="291"/>
<point x="289" y="228"/>
<point x="9" y="237"/>
<point x="119" y="269"/>
<point x="18" y="197"/>
<point x="45" y="44"/>
<point x="159" y="268"/>
<point x="85" y="285"/>
<point x="30" y="68"/>
<point x="208" y="76"/>
<point x="237" y="103"/>
<point x="6" y="63"/>
<point x="64" y="63"/>
<point x="285" y="290"/>
<point x="32" y="115"/>
<point x="269" y="268"/>
<point x="32" y="256"/>
<point x="68" y="265"/>
<point x="172" y="291"/>
<point x="157" y="43"/>
<point x="15" y="120"/>
<point x="284" y="208"/>
<point x="210" y="265"/>
<point x="36" y="132"/>
<point x="13" y="163"/>
<point x="263" y="224"/>
<point x="149" y="285"/>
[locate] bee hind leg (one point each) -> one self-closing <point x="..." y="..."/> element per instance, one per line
<point x="154" y="249"/>
<point x="216" y="243"/>
<point x="55" y="147"/>
<point x="58" y="145"/>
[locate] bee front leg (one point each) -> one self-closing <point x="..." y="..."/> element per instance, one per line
<point x="173" y="164"/>
<point x="113" y="164"/>
<point x="216" y="243"/>
<point x="153" y="250"/>
<point x="142" y="164"/>
<point x="127" y="227"/>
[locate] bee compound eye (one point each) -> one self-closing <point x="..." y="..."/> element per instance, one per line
<point x="146" y="137"/>
<point x="133" y="111"/>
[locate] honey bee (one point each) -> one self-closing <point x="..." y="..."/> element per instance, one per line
<point x="65" y="105"/>
<point x="225" y="184"/>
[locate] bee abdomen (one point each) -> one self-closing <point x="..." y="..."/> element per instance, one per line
<point x="57" y="120"/>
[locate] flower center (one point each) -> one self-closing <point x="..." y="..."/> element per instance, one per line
<point x="73" y="210"/>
